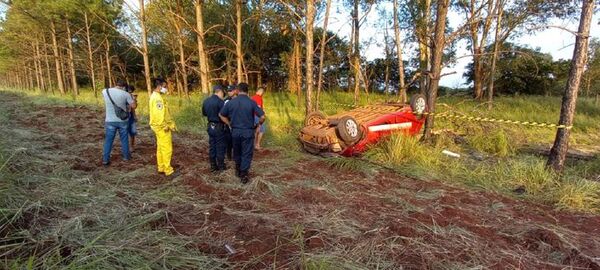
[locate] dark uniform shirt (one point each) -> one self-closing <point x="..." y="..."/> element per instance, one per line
<point x="211" y="108"/>
<point x="241" y="111"/>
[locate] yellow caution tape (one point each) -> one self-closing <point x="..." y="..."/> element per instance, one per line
<point x="477" y="119"/>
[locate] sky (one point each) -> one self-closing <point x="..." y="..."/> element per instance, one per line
<point x="557" y="42"/>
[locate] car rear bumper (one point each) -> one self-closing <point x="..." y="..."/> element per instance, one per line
<point x="320" y="140"/>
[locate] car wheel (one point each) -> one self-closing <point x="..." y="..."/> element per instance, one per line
<point x="418" y="104"/>
<point x="349" y="130"/>
<point x="314" y="118"/>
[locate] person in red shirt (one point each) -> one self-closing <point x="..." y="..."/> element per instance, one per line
<point x="260" y="129"/>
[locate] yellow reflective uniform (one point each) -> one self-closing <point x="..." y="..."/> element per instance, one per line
<point x="162" y="124"/>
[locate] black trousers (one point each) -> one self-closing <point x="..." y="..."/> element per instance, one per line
<point x="228" y="144"/>
<point x="216" y="140"/>
<point x="243" y="148"/>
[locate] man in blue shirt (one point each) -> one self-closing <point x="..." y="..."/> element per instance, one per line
<point x="231" y="94"/>
<point x="216" y="129"/>
<point x="239" y="115"/>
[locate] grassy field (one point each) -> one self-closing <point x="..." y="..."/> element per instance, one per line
<point x="59" y="209"/>
<point x="493" y="156"/>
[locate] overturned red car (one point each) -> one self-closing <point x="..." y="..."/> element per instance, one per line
<point x="350" y="133"/>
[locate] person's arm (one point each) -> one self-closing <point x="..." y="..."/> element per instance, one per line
<point x="224" y="115"/>
<point x="261" y="114"/>
<point x="131" y="101"/>
<point x="204" y="109"/>
<point x="225" y="120"/>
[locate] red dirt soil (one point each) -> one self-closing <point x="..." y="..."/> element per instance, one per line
<point x="306" y="207"/>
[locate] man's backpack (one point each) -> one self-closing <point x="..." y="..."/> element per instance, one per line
<point x="122" y="114"/>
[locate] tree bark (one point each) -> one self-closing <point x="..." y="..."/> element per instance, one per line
<point x="356" y="53"/>
<point x="108" y="65"/>
<point x="402" y="84"/>
<point x="422" y="34"/>
<point x="202" y="57"/>
<point x="387" y="63"/>
<point x="180" y="47"/>
<point x="310" y="20"/>
<point x="145" y="47"/>
<point x="59" y="79"/>
<point x="438" y="45"/>
<point x="47" y="63"/>
<point x="322" y="54"/>
<point x="298" y="68"/>
<point x="478" y="43"/>
<point x="558" y="153"/>
<point x="238" y="43"/>
<point x="38" y="69"/>
<point x="71" y="60"/>
<point x="90" y="54"/>
<point x="500" y="12"/>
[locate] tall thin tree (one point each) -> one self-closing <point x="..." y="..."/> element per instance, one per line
<point x="402" y="84"/>
<point x="438" y="45"/>
<point x="310" y="20"/>
<point x="322" y="53"/>
<point x="558" y="153"/>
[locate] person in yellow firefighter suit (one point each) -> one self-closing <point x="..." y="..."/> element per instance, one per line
<point x="162" y="124"/>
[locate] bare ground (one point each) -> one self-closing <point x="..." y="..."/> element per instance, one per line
<point x="299" y="210"/>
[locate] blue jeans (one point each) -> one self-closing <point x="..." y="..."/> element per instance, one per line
<point x="111" y="131"/>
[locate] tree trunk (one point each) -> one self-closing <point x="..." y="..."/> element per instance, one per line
<point x="71" y="60"/>
<point x="298" y="68"/>
<point x="35" y="48"/>
<point x="90" y="54"/>
<point x="30" y="78"/>
<point x="182" y="68"/>
<point x="202" y="57"/>
<point x="310" y="20"/>
<point x="47" y="63"/>
<point x="424" y="43"/>
<point x="402" y="90"/>
<point x="322" y="54"/>
<point x="436" y="67"/>
<point x="238" y="43"/>
<point x="500" y="11"/>
<point x="356" y="54"/>
<point x="558" y="153"/>
<point x="108" y="65"/>
<point x="387" y="63"/>
<point x="145" y="47"/>
<point x="477" y="75"/>
<point x="59" y="78"/>
<point x="39" y="60"/>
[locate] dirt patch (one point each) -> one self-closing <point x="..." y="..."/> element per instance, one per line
<point x="310" y="208"/>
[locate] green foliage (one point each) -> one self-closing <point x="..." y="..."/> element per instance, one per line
<point x="399" y="150"/>
<point x="495" y="142"/>
<point x="522" y="70"/>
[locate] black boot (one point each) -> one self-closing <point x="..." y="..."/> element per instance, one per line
<point x="221" y="165"/>
<point x="213" y="166"/>
<point x="238" y="173"/>
<point x="244" y="177"/>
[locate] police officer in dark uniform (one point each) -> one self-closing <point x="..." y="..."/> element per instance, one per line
<point x="231" y="94"/>
<point x="239" y="115"/>
<point x="216" y="129"/>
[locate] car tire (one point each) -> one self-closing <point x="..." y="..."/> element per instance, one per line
<point x="314" y="118"/>
<point x="418" y="104"/>
<point x="349" y="130"/>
